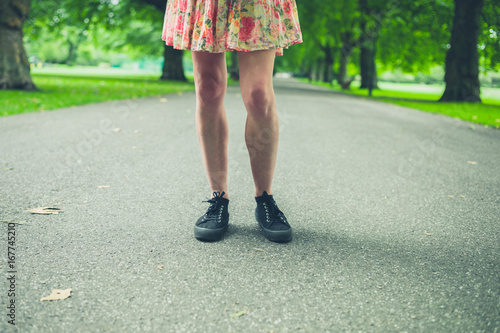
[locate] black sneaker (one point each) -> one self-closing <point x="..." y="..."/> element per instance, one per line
<point x="214" y="223"/>
<point x="272" y="220"/>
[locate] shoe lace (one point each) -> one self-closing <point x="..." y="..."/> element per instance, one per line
<point x="213" y="209"/>
<point x="274" y="211"/>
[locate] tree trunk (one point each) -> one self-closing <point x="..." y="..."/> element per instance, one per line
<point x="314" y="71"/>
<point x="70" y="60"/>
<point x="462" y="59"/>
<point x="328" y="69"/>
<point x="368" y="68"/>
<point x="368" y="41"/>
<point x="14" y="64"/>
<point x="172" y="65"/>
<point x="320" y="69"/>
<point x="310" y="71"/>
<point x="345" y="54"/>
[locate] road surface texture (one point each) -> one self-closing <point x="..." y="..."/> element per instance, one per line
<point x="395" y="214"/>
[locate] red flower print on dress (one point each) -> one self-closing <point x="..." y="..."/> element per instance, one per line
<point x="231" y="25"/>
<point x="179" y="27"/>
<point x="247" y="25"/>
<point x="183" y="5"/>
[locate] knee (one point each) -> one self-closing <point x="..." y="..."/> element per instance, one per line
<point x="258" y="100"/>
<point x="210" y="89"/>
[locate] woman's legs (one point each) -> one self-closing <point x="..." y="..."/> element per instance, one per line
<point x="210" y="78"/>
<point x="262" y="128"/>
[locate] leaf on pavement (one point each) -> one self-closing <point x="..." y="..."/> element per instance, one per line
<point x="163" y="100"/>
<point x="57" y="294"/>
<point x="472" y="162"/>
<point x="238" y="314"/>
<point x="103" y="186"/>
<point x="44" y="210"/>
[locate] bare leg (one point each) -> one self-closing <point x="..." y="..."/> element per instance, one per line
<point x="262" y="128"/>
<point x="210" y="78"/>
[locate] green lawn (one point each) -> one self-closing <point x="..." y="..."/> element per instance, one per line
<point x="68" y="87"/>
<point x="59" y="90"/>
<point x="425" y="97"/>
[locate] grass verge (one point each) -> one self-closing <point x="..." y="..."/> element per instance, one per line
<point x="426" y="99"/>
<point x="58" y="91"/>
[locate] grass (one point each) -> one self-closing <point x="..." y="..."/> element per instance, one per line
<point x="61" y="90"/>
<point x="425" y="98"/>
<point x="65" y="87"/>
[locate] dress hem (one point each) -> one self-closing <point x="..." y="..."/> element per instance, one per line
<point x="279" y="49"/>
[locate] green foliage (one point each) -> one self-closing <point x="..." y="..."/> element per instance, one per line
<point x="116" y="26"/>
<point x="489" y="39"/>
<point x="413" y="36"/>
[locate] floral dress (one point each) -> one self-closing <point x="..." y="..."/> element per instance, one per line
<point x="227" y="25"/>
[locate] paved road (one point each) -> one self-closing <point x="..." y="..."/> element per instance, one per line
<point x="395" y="228"/>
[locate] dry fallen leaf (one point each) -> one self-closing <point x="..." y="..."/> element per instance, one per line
<point x="116" y="130"/>
<point x="462" y="196"/>
<point x="44" y="210"/>
<point x="472" y="162"/>
<point x="163" y="99"/>
<point x="451" y="196"/>
<point x="103" y="186"/>
<point x="238" y="314"/>
<point x="427" y="234"/>
<point x="160" y="267"/>
<point x="260" y="250"/>
<point x="57" y="294"/>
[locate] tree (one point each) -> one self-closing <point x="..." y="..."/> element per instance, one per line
<point x="14" y="64"/>
<point x="172" y="65"/>
<point x="172" y="60"/>
<point x="373" y="12"/>
<point x="462" y="59"/>
<point x="415" y="37"/>
<point x="137" y="22"/>
<point x="318" y="21"/>
<point x="349" y="34"/>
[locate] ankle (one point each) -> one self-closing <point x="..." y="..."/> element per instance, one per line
<point x="261" y="193"/>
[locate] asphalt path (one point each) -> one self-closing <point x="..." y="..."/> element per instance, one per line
<point x="395" y="215"/>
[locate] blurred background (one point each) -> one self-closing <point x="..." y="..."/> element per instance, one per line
<point x="399" y="51"/>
